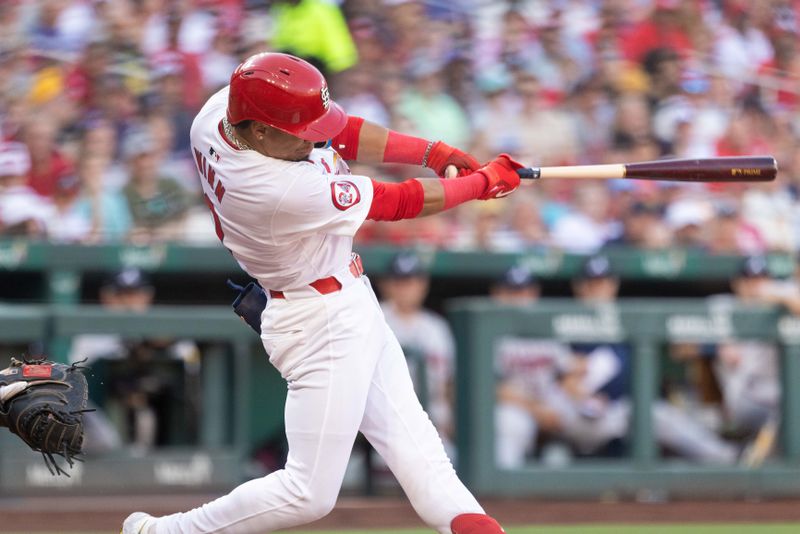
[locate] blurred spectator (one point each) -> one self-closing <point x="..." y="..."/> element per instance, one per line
<point x="157" y="203"/>
<point x="177" y="69"/>
<point x="664" y="28"/>
<point x="548" y="82"/>
<point x="546" y="133"/>
<point x="687" y="217"/>
<point x="314" y="30"/>
<point x="586" y="228"/>
<point x="592" y="113"/>
<point x="729" y="233"/>
<point x="358" y="95"/>
<point x="104" y="206"/>
<point x="48" y="162"/>
<point x="424" y="335"/>
<point x="433" y="113"/>
<point x="643" y="227"/>
<point x="770" y="209"/>
<point x="22" y="211"/>
<point x="66" y="221"/>
<point x="741" y="47"/>
<point x="220" y="61"/>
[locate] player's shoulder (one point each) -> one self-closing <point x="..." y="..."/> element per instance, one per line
<point x="433" y="319"/>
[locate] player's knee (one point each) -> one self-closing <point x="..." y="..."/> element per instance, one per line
<point x="475" y="524"/>
<point x="317" y="506"/>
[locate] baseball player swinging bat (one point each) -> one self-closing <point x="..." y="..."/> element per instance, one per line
<point x="730" y="169"/>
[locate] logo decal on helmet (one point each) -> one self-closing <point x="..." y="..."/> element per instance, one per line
<point x="326" y="97"/>
<point x="344" y="195"/>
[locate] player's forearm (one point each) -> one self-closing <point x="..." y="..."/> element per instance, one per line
<point x="433" y="197"/>
<point x="419" y="197"/>
<point x="371" y="143"/>
<point x="441" y="195"/>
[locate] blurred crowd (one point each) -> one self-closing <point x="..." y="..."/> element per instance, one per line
<point x="97" y="97"/>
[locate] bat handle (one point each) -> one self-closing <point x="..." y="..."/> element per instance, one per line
<point x="530" y="173"/>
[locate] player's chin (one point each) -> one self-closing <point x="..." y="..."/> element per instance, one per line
<point x="301" y="154"/>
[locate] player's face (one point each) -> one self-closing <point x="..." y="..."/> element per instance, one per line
<point x="596" y="289"/>
<point x="748" y="288"/>
<point x="515" y="296"/>
<point x="407" y="293"/>
<point x="281" y="145"/>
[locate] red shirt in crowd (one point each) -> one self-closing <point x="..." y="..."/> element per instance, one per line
<point x="43" y="178"/>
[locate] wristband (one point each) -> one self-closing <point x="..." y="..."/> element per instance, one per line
<point x="427" y="153"/>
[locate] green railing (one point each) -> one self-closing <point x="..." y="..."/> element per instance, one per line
<point x="647" y="326"/>
<point x="63" y="265"/>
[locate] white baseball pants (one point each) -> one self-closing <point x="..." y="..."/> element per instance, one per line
<point x="345" y="372"/>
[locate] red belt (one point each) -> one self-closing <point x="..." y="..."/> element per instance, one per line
<point x="330" y="284"/>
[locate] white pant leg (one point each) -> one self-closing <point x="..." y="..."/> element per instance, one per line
<point x="515" y="431"/>
<point x="402" y="433"/>
<point x="326" y="348"/>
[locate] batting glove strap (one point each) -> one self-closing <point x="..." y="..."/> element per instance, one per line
<point x="440" y="155"/>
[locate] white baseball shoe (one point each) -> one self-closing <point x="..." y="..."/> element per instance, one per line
<point x="137" y="523"/>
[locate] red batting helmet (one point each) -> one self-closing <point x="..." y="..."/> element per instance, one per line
<point x="286" y="93"/>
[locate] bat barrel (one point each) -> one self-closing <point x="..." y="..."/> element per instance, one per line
<point x="732" y="169"/>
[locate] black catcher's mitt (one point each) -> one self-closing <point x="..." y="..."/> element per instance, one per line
<point x="43" y="403"/>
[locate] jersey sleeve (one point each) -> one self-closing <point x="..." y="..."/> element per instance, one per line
<point x="318" y="203"/>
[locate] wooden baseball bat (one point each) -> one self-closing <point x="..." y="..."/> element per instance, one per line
<point x="731" y="169"/>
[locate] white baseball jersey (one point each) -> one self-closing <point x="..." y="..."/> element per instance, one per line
<point x="286" y="223"/>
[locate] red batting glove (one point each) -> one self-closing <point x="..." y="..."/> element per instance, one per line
<point x="441" y="155"/>
<point x="501" y="175"/>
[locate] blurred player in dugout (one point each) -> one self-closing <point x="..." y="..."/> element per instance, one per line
<point x="576" y="395"/>
<point x="142" y="379"/>
<point x="424" y="335"/>
<point x="743" y="375"/>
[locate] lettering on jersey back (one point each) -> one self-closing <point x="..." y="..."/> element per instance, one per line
<point x="209" y="174"/>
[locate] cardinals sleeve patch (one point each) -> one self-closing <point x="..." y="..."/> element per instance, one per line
<point x="345" y="194"/>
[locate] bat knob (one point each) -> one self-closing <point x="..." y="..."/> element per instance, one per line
<point x="529" y="173"/>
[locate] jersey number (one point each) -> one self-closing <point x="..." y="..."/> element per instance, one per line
<point x="217" y="224"/>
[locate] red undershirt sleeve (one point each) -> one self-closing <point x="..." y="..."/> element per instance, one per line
<point x="392" y="202"/>
<point x="462" y="189"/>
<point x="346" y="141"/>
<point x="401" y="148"/>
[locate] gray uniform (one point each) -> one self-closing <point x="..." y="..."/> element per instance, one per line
<point x="586" y="422"/>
